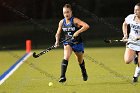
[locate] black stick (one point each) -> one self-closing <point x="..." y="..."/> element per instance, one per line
<point x="43" y="52"/>
<point x="121" y="40"/>
<point x="110" y="41"/>
<point x="48" y="49"/>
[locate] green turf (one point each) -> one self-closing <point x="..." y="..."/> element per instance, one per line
<point x="106" y="69"/>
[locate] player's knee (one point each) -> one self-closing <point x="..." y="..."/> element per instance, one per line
<point x="80" y="60"/>
<point x="66" y="58"/>
<point x="127" y="61"/>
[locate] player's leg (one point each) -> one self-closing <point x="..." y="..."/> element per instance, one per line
<point x="136" y="58"/>
<point x="64" y="64"/>
<point x="79" y="56"/>
<point x="129" y="55"/>
<point x="128" y="58"/>
<point x="137" y="70"/>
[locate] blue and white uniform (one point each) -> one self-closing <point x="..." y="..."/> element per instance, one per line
<point x="134" y="33"/>
<point x="68" y="30"/>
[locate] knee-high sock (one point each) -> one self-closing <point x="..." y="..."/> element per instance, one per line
<point x="137" y="71"/>
<point x="64" y="67"/>
<point x="82" y="66"/>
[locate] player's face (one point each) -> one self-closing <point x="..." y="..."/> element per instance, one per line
<point x="67" y="13"/>
<point x="137" y="11"/>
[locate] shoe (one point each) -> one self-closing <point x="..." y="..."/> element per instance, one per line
<point x="135" y="79"/>
<point x="62" y="79"/>
<point x="136" y="60"/>
<point x="85" y="76"/>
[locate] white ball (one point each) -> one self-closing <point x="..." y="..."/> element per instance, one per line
<point x="50" y="84"/>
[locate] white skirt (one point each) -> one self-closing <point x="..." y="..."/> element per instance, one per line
<point x="133" y="46"/>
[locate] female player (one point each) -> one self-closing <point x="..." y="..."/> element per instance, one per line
<point x="133" y="45"/>
<point x="72" y="27"/>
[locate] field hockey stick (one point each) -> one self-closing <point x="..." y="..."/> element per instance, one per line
<point x="121" y="40"/>
<point x="111" y="41"/>
<point x="48" y="49"/>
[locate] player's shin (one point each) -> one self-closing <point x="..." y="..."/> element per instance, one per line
<point x="83" y="70"/>
<point x="137" y="74"/>
<point x="64" y="65"/>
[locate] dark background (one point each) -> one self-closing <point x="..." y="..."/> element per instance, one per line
<point x="38" y="20"/>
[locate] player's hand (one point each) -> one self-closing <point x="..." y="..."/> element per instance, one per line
<point x="75" y="34"/>
<point x="124" y="38"/>
<point x="56" y="44"/>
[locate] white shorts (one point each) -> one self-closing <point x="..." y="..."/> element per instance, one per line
<point x="134" y="47"/>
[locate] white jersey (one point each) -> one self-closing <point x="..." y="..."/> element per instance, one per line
<point x="134" y="32"/>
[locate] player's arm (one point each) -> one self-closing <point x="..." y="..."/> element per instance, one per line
<point x="84" y="26"/>
<point x="125" y="34"/>
<point x="124" y="28"/>
<point x="57" y="35"/>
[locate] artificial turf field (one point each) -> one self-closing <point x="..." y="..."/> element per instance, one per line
<point x="105" y="66"/>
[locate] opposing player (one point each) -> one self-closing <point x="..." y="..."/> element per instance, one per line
<point x="133" y="45"/>
<point x="71" y="27"/>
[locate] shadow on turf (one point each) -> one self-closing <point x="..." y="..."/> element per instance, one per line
<point x="32" y="65"/>
<point x="100" y="83"/>
<point x="116" y="74"/>
<point x="111" y="71"/>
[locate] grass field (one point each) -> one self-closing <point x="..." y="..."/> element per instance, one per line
<point x="105" y="66"/>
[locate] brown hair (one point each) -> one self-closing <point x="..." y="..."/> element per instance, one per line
<point x="67" y="6"/>
<point x="138" y="4"/>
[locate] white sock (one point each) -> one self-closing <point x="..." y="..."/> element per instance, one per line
<point x="137" y="72"/>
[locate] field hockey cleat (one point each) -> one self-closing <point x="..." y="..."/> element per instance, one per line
<point x="62" y="80"/>
<point x="85" y="76"/>
<point x="135" y="79"/>
<point x="136" y="60"/>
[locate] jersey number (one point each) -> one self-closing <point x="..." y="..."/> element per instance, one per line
<point x="69" y="34"/>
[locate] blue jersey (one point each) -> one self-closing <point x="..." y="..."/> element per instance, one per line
<point x="69" y="29"/>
